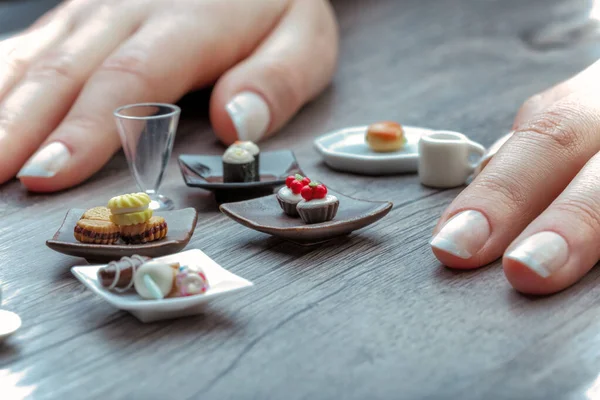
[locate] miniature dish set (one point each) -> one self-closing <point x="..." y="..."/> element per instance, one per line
<point x="382" y="148"/>
<point x="173" y="286"/>
<point x="124" y="227"/>
<point x="306" y="212"/>
<point x="9" y="322"/>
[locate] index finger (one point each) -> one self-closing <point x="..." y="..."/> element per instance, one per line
<point x="522" y="179"/>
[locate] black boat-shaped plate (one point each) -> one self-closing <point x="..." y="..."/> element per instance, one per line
<point x="206" y="171"/>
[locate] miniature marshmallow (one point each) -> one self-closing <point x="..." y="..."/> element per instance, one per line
<point x="154" y="280"/>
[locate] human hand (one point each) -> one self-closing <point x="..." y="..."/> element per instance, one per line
<point x="61" y="80"/>
<point x="537" y="202"/>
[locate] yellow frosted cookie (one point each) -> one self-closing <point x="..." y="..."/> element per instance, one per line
<point x="130" y="209"/>
<point x="129" y="203"/>
<point x="132" y="218"/>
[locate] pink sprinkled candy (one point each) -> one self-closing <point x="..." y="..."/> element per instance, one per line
<point x="191" y="282"/>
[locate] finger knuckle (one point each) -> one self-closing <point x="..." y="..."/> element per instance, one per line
<point x="289" y="81"/>
<point x="581" y="210"/>
<point x="16" y="63"/>
<point x="131" y="64"/>
<point x="554" y="126"/>
<point x="54" y="66"/>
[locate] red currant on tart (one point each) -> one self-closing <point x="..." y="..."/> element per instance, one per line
<point x="319" y="191"/>
<point x="296" y="182"/>
<point x="307" y="193"/>
<point x="314" y="190"/>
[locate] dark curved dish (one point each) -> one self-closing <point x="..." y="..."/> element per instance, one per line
<point x="206" y="171"/>
<point x="181" y="225"/>
<point x="265" y="215"/>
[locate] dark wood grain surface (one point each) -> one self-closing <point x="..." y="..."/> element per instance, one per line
<point x="370" y="316"/>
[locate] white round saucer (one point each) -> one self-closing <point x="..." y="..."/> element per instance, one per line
<point x="347" y="150"/>
<point x="9" y="323"/>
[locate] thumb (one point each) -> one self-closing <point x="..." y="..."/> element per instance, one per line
<point x="293" y="64"/>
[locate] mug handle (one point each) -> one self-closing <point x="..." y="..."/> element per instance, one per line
<point x="475" y="148"/>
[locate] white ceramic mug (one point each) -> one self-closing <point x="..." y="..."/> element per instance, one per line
<point x="444" y="159"/>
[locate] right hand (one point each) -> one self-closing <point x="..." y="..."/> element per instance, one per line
<point x="537" y="203"/>
<point x="61" y="80"/>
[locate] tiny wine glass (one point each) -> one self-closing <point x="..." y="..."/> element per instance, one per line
<point x="147" y="132"/>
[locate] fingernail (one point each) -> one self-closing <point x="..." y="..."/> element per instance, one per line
<point x="250" y="115"/>
<point x="544" y="253"/>
<point x="463" y="235"/>
<point x="46" y="162"/>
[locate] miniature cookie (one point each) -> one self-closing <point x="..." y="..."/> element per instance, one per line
<point x="154" y="229"/>
<point x="118" y="275"/>
<point x="317" y="206"/>
<point x="385" y="136"/>
<point x="289" y="196"/>
<point x="97" y="213"/>
<point x="130" y="209"/>
<point x="96" y="231"/>
<point x="189" y="282"/>
<point x="155" y="280"/>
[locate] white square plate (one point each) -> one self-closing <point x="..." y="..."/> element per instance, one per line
<point x="220" y="280"/>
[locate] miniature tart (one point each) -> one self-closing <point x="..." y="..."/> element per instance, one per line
<point x="154" y="229"/>
<point x="385" y="136"/>
<point x="190" y="282"/>
<point x="155" y="280"/>
<point x="316" y="205"/>
<point x="289" y="195"/>
<point x="97" y="213"/>
<point x="96" y="231"/>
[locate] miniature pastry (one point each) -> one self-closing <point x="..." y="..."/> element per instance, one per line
<point x="189" y="282"/>
<point x="118" y="275"/>
<point x="251" y="148"/>
<point x="130" y="209"/>
<point x="155" y="280"/>
<point x="154" y="229"/>
<point x="239" y="166"/>
<point x="385" y="136"/>
<point x="316" y="205"/>
<point x="96" y="231"/>
<point x="97" y="213"/>
<point x="289" y="195"/>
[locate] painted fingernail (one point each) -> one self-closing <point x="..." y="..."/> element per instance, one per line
<point x="463" y="235"/>
<point x="544" y="253"/>
<point x="46" y="162"/>
<point x="250" y="115"/>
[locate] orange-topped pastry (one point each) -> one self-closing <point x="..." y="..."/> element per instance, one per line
<point x="385" y="136"/>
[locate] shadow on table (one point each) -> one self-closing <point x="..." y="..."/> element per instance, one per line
<point x="125" y="327"/>
<point x="356" y="241"/>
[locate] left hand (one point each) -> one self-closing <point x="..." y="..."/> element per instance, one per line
<point x="537" y="202"/>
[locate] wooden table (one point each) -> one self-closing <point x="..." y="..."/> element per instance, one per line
<point x="370" y="316"/>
